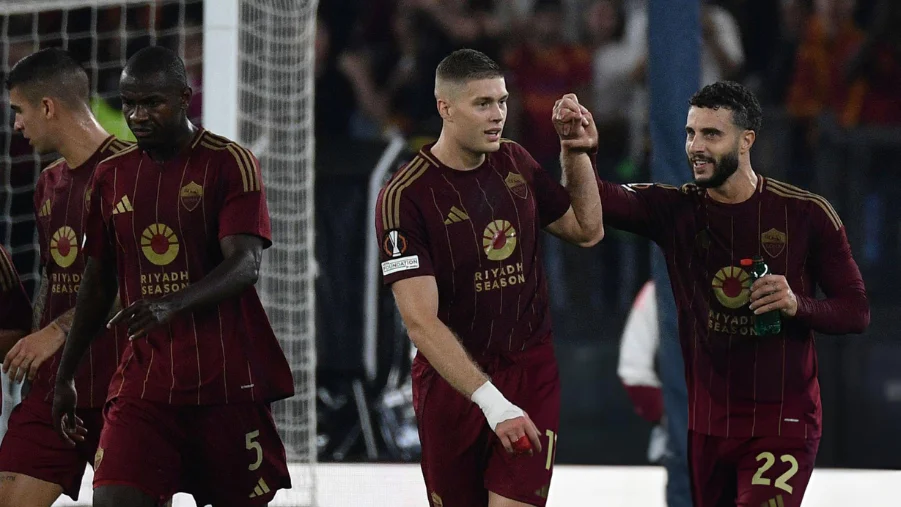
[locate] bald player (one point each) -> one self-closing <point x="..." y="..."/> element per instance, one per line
<point x="459" y="228"/>
<point x="179" y="222"/>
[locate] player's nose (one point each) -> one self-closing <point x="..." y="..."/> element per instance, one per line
<point x="696" y="146"/>
<point x="138" y="114"/>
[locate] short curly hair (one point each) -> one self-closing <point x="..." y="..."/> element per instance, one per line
<point x="746" y="112"/>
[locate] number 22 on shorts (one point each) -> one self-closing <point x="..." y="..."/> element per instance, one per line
<point x="251" y="444"/>
<point x="782" y="480"/>
<point x="551" y="448"/>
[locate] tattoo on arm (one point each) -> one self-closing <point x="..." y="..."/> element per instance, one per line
<point x="40" y="301"/>
<point x="64" y="321"/>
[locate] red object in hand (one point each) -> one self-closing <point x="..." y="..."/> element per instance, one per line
<point x="523" y="445"/>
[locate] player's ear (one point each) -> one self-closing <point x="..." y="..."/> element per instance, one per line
<point x="444" y="109"/>
<point x="186" y="95"/>
<point x="747" y="140"/>
<point x="48" y="107"/>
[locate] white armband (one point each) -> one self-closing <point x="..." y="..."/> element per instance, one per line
<point x="496" y="408"/>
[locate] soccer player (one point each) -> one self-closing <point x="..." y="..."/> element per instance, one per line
<point x="459" y="228"/>
<point x="754" y="401"/>
<point x="181" y="220"/>
<point x="49" y="93"/>
<point x="15" y="310"/>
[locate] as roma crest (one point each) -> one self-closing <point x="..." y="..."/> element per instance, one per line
<point x="191" y="195"/>
<point x="773" y="242"/>
<point x="517" y="184"/>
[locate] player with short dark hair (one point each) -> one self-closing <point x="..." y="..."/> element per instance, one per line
<point x="48" y="92"/>
<point x="181" y="220"/>
<point x="459" y="228"/>
<point x="754" y="401"/>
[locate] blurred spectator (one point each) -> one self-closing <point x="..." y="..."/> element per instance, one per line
<point x="793" y="15"/>
<point x="874" y="73"/>
<point x="831" y="39"/>
<point x="334" y="98"/>
<point x="637" y="367"/>
<point x="541" y="69"/>
<point x="616" y="79"/>
<point x="474" y="23"/>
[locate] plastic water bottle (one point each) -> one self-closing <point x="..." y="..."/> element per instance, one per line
<point x="768" y="323"/>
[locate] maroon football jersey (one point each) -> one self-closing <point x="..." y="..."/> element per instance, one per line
<point x="740" y="384"/>
<point x="477" y="232"/>
<point x="162" y="223"/>
<point x="60" y="205"/>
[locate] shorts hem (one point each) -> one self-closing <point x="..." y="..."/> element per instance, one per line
<point x="71" y="493"/>
<point x="527" y="499"/>
<point x="130" y="484"/>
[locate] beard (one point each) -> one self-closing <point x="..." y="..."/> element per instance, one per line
<point x="722" y="170"/>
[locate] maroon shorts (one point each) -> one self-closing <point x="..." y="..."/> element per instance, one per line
<point x="221" y="454"/>
<point x="750" y="472"/>
<point x="462" y="459"/>
<point x="31" y="447"/>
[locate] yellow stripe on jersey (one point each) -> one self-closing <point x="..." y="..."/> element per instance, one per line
<point x="8" y="276"/>
<point x="792" y="192"/>
<point x="400" y="190"/>
<point x="242" y="167"/>
<point x="253" y="176"/>
<point x="53" y="164"/>
<point x="428" y="156"/>
<point x="249" y="176"/>
<point x="388" y="194"/>
<point x="107" y="143"/>
<point x="125" y="151"/>
<point x="203" y="133"/>
<point x="391" y="197"/>
<point x="116" y="146"/>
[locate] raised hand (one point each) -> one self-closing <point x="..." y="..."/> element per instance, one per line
<point x="574" y="124"/>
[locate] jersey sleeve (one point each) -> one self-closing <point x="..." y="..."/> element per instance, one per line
<point x="244" y="209"/>
<point x="552" y="199"/>
<point x="639" y="208"/>
<point x="98" y="241"/>
<point x="402" y="235"/>
<point x="15" y="308"/>
<point x="845" y="308"/>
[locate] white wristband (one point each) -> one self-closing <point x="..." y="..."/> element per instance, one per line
<point x="496" y="408"/>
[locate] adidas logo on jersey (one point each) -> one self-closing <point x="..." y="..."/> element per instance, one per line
<point x="123" y="206"/>
<point x="261" y="489"/>
<point x="45" y="209"/>
<point x="455" y="215"/>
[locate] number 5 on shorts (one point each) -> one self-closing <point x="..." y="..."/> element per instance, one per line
<point x="252" y="445"/>
<point x="782" y="480"/>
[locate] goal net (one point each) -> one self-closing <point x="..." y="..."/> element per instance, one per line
<point x="272" y="114"/>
